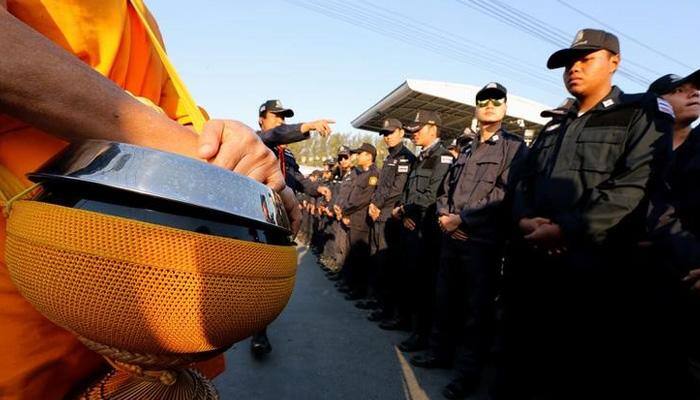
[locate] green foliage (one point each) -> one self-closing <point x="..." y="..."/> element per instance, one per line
<point x="315" y="150"/>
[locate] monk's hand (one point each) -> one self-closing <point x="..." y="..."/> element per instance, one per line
<point x="236" y="147"/>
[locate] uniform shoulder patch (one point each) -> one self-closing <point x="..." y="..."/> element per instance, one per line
<point x="446" y="159"/>
<point x="373" y="180"/>
<point x="665" y="107"/>
<point x="552" y="127"/>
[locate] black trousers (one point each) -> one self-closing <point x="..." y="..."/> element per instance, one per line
<point x="467" y="286"/>
<point x="356" y="263"/>
<point x="384" y="250"/>
<point x="420" y="252"/>
<point x="594" y="323"/>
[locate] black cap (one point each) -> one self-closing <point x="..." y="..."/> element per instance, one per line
<point x="492" y="90"/>
<point x="424" y="117"/>
<point x="366" y="147"/>
<point x="389" y="125"/>
<point x="275" y="106"/>
<point x="343" y="150"/>
<point x="329" y="162"/>
<point x="586" y="41"/>
<point x="667" y="83"/>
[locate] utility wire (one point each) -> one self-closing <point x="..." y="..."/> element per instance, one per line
<point x="539" y="29"/>
<point x="386" y="26"/>
<point x="630" y="38"/>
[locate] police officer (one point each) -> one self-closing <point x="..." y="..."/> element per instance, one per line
<point x="471" y="212"/>
<point x="384" y="236"/>
<point x="420" y="234"/>
<point x="678" y="223"/>
<point x="340" y="190"/>
<point x="354" y="212"/>
<point x="276" y="135"/>
<point x="582" y="318"/>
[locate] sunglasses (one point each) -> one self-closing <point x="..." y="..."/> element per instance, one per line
<point x="495" y="102"/>
<point x="341" y="158"/>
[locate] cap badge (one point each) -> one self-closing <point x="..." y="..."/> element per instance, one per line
<point x="491" y="85"/>
<point x="417" y="117"/>
<point x="278" y="104"/>
<point x="579" y="37"/>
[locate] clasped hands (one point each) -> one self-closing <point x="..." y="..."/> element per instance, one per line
<point x="543" y="234"/>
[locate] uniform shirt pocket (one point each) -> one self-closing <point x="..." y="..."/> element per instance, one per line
<point x="423" y="179"/>
<point x="597" y="149"/>
<point x="542" y="151"/>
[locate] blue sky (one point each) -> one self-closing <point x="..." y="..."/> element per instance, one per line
<point x="234" y="55"/>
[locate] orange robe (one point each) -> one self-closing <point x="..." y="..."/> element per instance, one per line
<point x="39" y="360"/>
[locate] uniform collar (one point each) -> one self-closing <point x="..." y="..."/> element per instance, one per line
<point x="497" y="137"/>
<point x="393" y="151"/>
<point x="611" y="100"/>
<point x="431" y="146"/>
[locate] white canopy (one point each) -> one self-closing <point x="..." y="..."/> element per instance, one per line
<point x="456" y="104"/>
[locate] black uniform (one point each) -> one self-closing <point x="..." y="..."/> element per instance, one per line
<point x="286" y="134"/>
<point x="283" y="134"/>
<point x="675" y="218"/>
<point x="340" y="231"/>
<point x="420" y="247"/>
<point x="384" y="236"/>
<point x="355" y="208"/>
<point x="585" y="324"/>
<point x="475" y="188"/>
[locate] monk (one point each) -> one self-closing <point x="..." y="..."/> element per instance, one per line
<point x="86" y="69"/>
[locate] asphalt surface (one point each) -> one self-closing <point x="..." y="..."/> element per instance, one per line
<point x="325" y="348"/>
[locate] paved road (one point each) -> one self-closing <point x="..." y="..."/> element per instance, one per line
<point x="324" y="348"/>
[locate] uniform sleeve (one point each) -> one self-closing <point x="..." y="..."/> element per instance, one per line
<point x="297" y="181"/>
<point x="283" y="134"/>
<point x="646" y="153"/>
<point x="495" y="199"/>
<point x="442" y="201"/>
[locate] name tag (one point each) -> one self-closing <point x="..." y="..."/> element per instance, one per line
<point x="446" y="159"/>
<point x="403" y="168"/>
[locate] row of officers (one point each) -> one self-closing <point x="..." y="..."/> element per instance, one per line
<point x="577" y="259"/>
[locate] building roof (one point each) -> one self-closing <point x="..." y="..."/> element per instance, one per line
<point x="456" y="104"/>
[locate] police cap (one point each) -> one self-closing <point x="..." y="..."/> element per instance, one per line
<point x="586" y="41"/>
<point x="668" y="83"/>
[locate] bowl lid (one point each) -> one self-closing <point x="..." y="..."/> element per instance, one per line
<point x="166" y="176"/>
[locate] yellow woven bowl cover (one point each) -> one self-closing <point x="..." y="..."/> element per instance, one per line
<point x="142" y="287"/>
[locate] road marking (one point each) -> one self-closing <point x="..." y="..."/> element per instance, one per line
<point x="411" y="387"/>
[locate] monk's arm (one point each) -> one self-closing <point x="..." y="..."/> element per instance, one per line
<point x="45" y="86"/>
